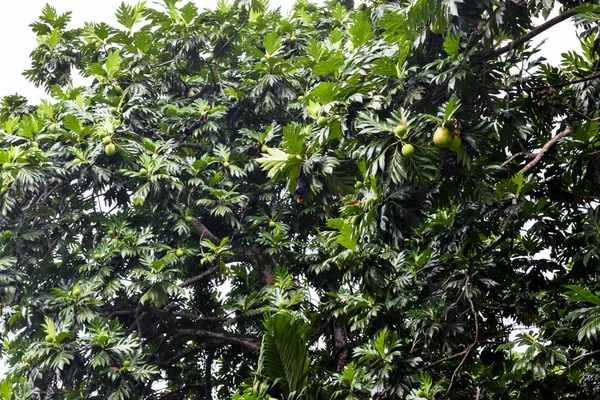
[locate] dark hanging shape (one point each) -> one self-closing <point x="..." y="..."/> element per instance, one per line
<point x="302" y="188"/>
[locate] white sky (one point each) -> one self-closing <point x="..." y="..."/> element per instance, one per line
<point x="18" y="40"/>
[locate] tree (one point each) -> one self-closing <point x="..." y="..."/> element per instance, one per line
<point x="347" y="202"/>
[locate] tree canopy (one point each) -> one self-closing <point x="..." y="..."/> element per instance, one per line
<point x="345" y="202"/>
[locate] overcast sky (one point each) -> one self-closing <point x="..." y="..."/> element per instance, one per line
<point x="17" y="40"/>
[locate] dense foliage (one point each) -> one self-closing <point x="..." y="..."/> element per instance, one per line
<point x="341" y="203"/>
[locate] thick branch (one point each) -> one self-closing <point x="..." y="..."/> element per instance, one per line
<point x="194" y="279"/>
<point x="538" y="157"/>
<point x="249" y="343"/>
<point x="533" y="32"/>
<point x="204" y="232"/>
<point x="340" y="342"/>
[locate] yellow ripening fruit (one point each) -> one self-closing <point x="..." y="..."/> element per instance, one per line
<point x="76" y="292"/>
<point x="106" y="139"/>
<point x="110" y="149"/>
<point x="226" y="164"/>
<point x="408" y="150"/>
<point x="300" y="98"/>
<point x="455" y="143"/>
<point x="179" y="253"/>
<point x="143" y="171"/>
<point x="188" y="218"/>
<point x="272" y="224"/>
<point x="442" y="137"/>
<point x="264" y="148"/>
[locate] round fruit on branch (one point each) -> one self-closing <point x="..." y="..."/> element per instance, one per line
<point x="442" y="137"/>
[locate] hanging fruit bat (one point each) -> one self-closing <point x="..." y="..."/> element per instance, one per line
<point x="301" y="187"/>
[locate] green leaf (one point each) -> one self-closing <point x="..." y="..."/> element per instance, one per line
<point x="113" y="64"/>
<point x="72" y="123"/>
<point x="361" y="30"/>
<point x="284" y="353"/>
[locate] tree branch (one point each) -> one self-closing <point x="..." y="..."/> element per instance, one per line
<point x="582" y="356"/>
<point x="340" y="342"/>
<point x="204" y="232"/>
<point x="521" y="153"/>
<point x="249" y="343"/>
<point x="533" y="32"/>
<point x="538" y="157"/>
<point x="194" y="279"/>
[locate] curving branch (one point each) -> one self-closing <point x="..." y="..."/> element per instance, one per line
<point x="204" y="232"/>
<point x="194" y="279"/>
<point x="533" y="32"/>
<point x="514" y="156"/>
<point x="538" y="156"/>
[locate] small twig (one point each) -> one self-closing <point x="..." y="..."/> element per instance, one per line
<point x="576" y="111"/>
<point x="441" y="360"/>
<point x="582" y="356"/>
<point x="538" y="157"/>
<point x="513" y="157"/>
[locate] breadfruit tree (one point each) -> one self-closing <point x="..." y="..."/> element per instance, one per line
<point x="390" y="200"/>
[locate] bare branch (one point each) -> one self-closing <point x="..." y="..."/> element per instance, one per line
<point x="582" y="356"/>
<point x="538" y="157"/>
<point x="533" y="32"/>
<point x="194" y="279"/>
<point x="513" y="157"/>
<point x="204" y="232"/>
